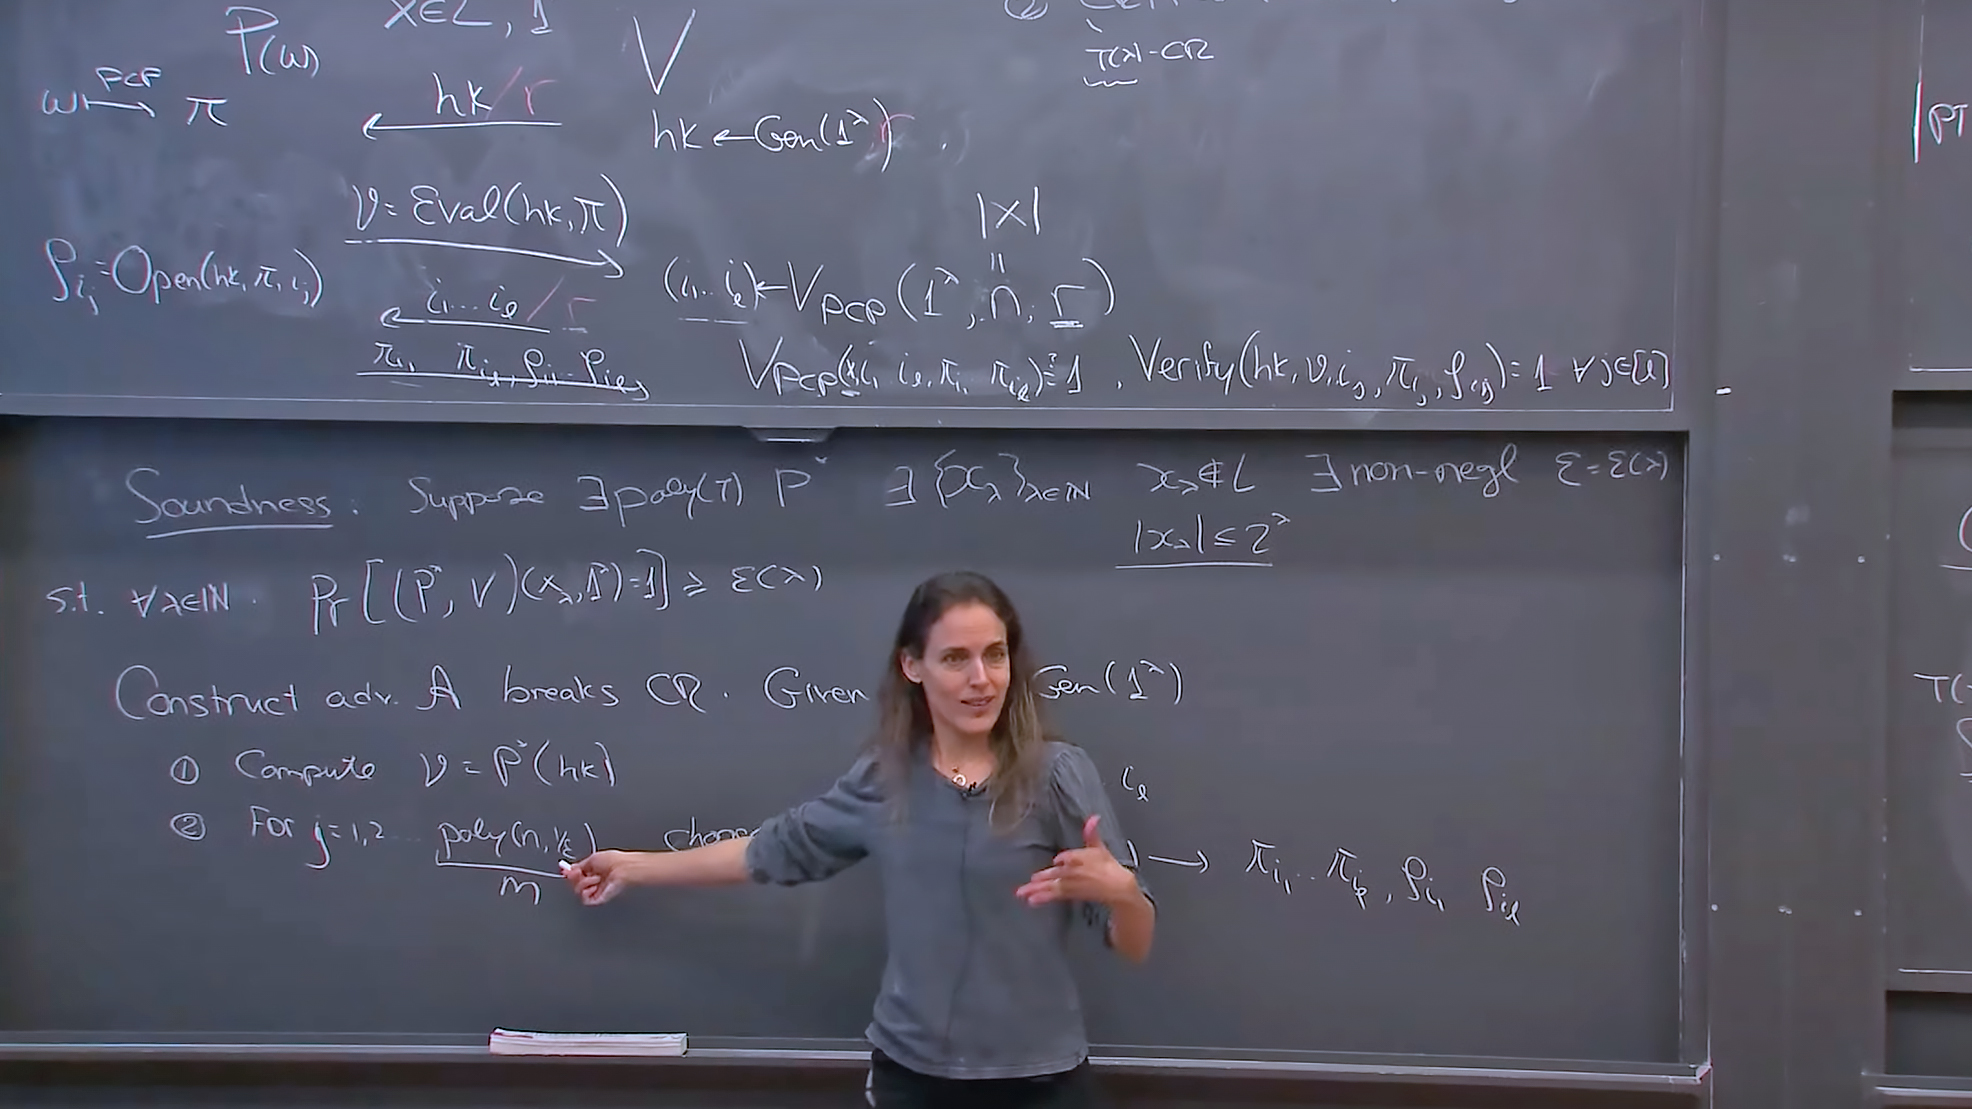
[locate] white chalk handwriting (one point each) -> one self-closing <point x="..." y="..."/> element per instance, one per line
<point x="131" y="272"/>
<point x="1406" y="885"/>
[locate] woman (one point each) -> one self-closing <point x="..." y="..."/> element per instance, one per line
<point x="988" y="835"/>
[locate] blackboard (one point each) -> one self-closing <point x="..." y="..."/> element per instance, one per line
<point x="1937" y="241"/>
<point x="1392" y="722"/>
<point x="995" y="211"/>
<point x="1930" y="811"/>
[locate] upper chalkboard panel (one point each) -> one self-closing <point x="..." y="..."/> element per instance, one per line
<point x="1937" y="246"/>
<point x="869" y="212"/>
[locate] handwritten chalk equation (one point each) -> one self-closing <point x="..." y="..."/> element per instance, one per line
<point x="514" y="204"/>
<point x="518" y="852"/>
<point x="383" y="592"/>
<point x="1167" y="544"/>
<point x="1185" y="479"/>
<point x="509" y="16"/>
<point x="538" y="308"/>
<point x="855" y="373"/>
<point x="474" y="100"/>
<point x="1115" y="62"/>
<point x="526" y="762"/>
<point x="1029" y="372"/>
<point x="141" y="692"/>
<point x="208" y="599"/>
<point x="1122" y="65"/>
<point x="131" y="272"/>
<point x="1952" y="688"/>
<point x="533" y="368"/>
<point x="1398" y="379"/>
<point x="128" y="90"/>
<point x="958" y="477"/>
<point x="876" y="131"/>
<point x="1408" y="885"/>
<point x="872" y="131"/>
<point x="1489" y="476"/>
<point x="311" y="841"/>
<point x="1153" y="682"/>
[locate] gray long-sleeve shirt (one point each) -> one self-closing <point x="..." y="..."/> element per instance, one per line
<point x="976" y="984"/>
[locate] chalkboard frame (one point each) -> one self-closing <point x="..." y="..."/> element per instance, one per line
<point x="1803" y="355"/>
<point x="821" y="420"/>
<point x="1695" y="338"/>
<point x="1488" y="1071"/>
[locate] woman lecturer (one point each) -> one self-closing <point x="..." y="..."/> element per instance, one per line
<point x="988" y="835"/>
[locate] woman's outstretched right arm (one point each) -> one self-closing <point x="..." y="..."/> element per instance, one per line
<point x="605" y="874"/>
<point x="807" y="843"/>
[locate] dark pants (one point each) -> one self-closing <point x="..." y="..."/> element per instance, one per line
<point x="893" y="1086"/>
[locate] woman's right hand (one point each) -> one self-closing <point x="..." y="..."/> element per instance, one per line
<point x="605" y="874"/>
<point x="599" y="877"/>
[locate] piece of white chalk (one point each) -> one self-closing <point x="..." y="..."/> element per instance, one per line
<point x="565" y="868"/>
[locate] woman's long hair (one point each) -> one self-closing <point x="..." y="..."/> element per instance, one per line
<point x="1019" y="738"/>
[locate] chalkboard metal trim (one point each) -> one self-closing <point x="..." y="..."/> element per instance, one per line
<point x="1902" y="1093"/>
<point x="814" y="417"/>
<point x="1931" y="981"/>
<point x="1699" y="393"/>
<point x="1941" y="379"/>
<point x="1932" y="438"/>
<point x="833" y="1054"/>
<point x="1640" y="1078"/>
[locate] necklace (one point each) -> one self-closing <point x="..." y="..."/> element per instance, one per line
<point x="958" y="777"/>
<point x="961" y="780"/>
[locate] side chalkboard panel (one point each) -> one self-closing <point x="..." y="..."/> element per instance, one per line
<point x="849" y="213"/>
<point x="1937" y="241"/>
<point x="1392" y="722"/>
<point x="1930" y="878"/>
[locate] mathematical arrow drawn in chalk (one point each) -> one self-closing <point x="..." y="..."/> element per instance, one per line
<point x="395" y="317"/>
<point x="601" y="261"/>
<point x="372" y="125"/>
<point x="1201" y="864"/>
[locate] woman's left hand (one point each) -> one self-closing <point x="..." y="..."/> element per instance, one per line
<point x="1087" y="873"/>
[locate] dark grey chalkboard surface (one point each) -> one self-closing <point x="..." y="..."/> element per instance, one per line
<point x="865" y="212"/>
<point x="1392" y="722"/>
<point x="1937" y="243"/>
<point x="1930" y="880"/>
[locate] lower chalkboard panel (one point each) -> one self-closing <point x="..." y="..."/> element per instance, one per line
<point x="1392" y="723"/>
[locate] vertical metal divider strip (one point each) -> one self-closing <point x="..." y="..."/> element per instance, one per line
<point x="1901" y="58"/>
<point x="1696" y="323"/>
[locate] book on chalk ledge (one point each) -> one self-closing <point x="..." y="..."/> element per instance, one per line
<point x="506" y="1042"/>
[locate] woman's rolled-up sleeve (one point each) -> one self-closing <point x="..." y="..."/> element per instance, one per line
<point x="820" y="838"/>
